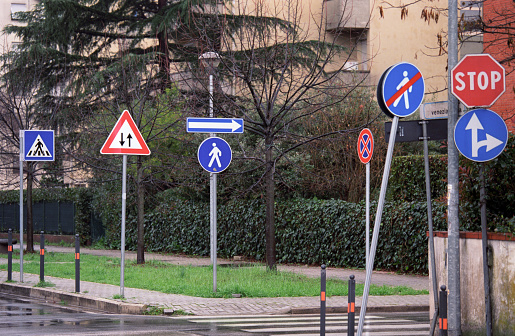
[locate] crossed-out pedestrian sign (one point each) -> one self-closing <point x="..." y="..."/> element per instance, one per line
<point x="401" y="89"/>
<point x="214" y="154"/>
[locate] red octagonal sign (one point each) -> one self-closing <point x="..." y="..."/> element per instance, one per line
<point x="478" y="80"/>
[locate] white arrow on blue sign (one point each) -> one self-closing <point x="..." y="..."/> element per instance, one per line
<point x="214" y="125"/>
<point x="214" y="154"/>
<point x="38" y="145"/>
<point x="480" y="135"/>
<point x="403" y="89"/>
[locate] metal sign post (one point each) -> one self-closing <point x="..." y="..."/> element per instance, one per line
<point x="214" y="155"/>
<point x="430" y="225"/>
<point x="35" y="145"/>
<point x="481" y="135"/>
<point x="125" y="138"/>
<point x="453" y="250"/>
<point x="365" y="152"/>
<point x="399" y="94"/>
<point x="122" y="243"/>
<point x="21" y="204"/>
<point x="377" y="225"/>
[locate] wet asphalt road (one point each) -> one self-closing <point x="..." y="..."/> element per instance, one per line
<point x="28" y="317"/>
<point x="21" y="316"/>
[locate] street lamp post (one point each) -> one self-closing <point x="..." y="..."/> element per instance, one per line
<point x="210" y="60"/>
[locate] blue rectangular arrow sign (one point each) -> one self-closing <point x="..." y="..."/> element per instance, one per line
<point x="214" y="125"/>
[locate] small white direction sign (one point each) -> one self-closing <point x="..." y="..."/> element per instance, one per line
<point x="125" y="138"/>
<point x="214" y="125"/>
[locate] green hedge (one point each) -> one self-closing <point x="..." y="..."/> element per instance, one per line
<point x="307" y="231"/>
<point x="407" y="182"/>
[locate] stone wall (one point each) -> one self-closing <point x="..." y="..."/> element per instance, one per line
<point x="501" y="262"/>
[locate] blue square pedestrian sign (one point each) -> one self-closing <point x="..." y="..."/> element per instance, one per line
<point x="38" y="145"/>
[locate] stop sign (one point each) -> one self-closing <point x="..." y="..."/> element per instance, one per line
<point x="478" y="80"/>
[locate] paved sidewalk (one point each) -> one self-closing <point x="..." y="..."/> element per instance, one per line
<point x="216" y="306"/>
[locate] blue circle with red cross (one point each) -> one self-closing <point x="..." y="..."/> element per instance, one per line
<point x="365" y="145"/>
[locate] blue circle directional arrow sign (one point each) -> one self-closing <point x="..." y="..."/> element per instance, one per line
<point x="214" y="154"/>
<point x="402" y="89"/>
<point x="480" y="135"/>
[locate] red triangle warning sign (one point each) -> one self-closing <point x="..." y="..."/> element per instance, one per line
<point x="125" y="138"/>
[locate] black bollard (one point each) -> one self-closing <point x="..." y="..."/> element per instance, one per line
<point x="10" y="255"/>
<point x="77" y="264"/>
<point x="351" y="308"/>
<point x="322" y="301"/>
<point x="42" y="257"/>
<point x="443" y="311"/>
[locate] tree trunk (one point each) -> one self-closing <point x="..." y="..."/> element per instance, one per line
<point x="30" y="223"/>
<point x="270" y="207"/>
<point x="141" y="212"/>
<point x="164" y="62"/>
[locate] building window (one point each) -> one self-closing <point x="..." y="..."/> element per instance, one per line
<point x="470" y="15"/>
<point x="17" y="8"/>
<point x="15" y="46"/>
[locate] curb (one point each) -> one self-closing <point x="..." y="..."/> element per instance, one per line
<point x="374" y="309"/>
<point x="73" y="299"/>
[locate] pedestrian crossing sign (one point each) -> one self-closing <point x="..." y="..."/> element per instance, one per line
<point x="38" y="145"/>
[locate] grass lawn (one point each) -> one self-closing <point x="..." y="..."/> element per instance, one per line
<point x="253" y="281"/>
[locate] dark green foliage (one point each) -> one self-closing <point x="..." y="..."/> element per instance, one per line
<point x="407" y="178"/>
<point x="81" y="197"/>
<point x="308" y="231"/>
<point x="407" y="182"/>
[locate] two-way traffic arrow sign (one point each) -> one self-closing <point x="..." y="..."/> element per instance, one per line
<point x="214" y="125"/>
<point x="125" y="138"/>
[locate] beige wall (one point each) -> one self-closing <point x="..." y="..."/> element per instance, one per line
<point x="388" y="39"/>
<point x="5" y="19"/>
<point x="502" y="284"/>
<point x="393" y="40"/>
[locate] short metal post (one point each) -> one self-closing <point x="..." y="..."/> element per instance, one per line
<point x="42" y="257"/>
<point x="351" y="308"/>
<point x="10" y="255"/>
<point x="322" y="301"/>
<point x="443" y="311"/>
<point x="77" y="264"/>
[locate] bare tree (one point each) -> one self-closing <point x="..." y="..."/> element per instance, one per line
<point x="279" y="72"/>
<point x="156" y="113"/>
<point x="19" y="110"/>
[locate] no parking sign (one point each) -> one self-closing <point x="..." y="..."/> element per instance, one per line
<point x="365" y="145"/>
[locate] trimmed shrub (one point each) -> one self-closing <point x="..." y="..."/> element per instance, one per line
<point x="307" y="231"/>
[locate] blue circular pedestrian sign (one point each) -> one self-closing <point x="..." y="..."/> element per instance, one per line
<point x="480" y="135"/>
<point x="214" y="154"/>
<point x="402" y="89"/>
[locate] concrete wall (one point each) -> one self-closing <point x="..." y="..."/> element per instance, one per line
<point x="501" y="264"/>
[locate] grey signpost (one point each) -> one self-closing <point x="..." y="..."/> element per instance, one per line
<point x="211" y="149"/>
<point x="399" y="94"/>
<point x="365" y="151"/>
<point x="35" y="145"/>
<point x="124" y="139"/>
<point x="481" y="135"/>
<point x="453" y="251"/>
<point x="426" y="130"/>
<point x="21" y="205"/>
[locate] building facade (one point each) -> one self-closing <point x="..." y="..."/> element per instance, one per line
<point x="499" y="16"/>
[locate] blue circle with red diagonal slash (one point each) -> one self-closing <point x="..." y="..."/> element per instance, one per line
<point x="365" y="145"/>
<point x="402" y="89"/>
